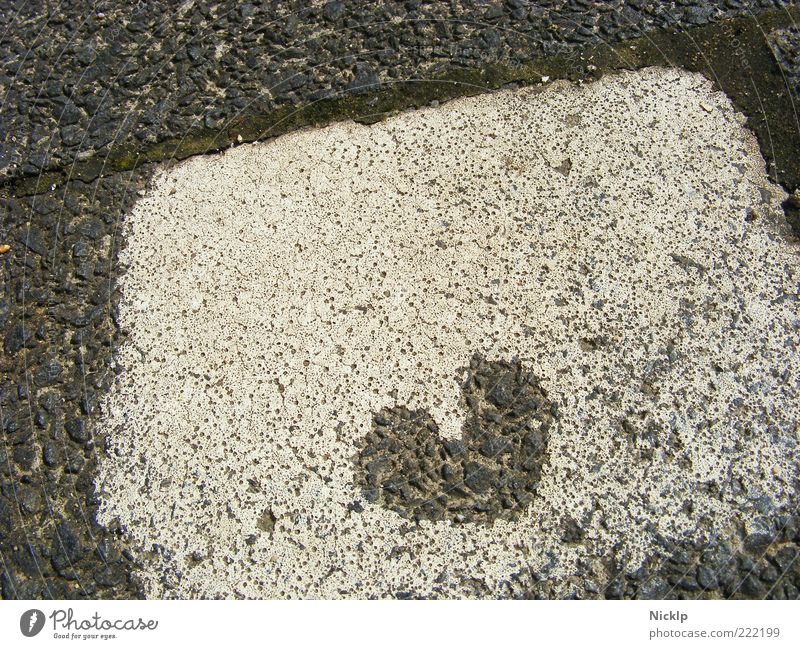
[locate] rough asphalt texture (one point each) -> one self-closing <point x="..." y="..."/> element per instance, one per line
<point x="77" y="83"/>
<point x="284" y="300"/>
<point x="89" y="76"/>
<point x="492" y="471"/>
<point x="57" y="317"/>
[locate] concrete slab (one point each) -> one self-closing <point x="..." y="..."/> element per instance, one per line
<point x="619" y="239"/>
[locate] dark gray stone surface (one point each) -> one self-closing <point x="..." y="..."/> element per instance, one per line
<point x="491" y="472"/>
<point x="59" y="300"/>
<point x="79" y="83"/>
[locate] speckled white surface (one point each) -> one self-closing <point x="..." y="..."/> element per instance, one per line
<point x="279" y="293"/>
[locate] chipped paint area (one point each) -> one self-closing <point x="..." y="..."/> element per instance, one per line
<point x="620" y="239"/>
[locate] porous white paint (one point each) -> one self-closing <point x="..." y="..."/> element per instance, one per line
<point x="277" y="294"/>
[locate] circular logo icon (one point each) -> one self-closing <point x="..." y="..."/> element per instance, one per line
<point x="31" y="622"/>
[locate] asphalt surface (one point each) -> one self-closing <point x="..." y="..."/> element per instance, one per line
<point x="78" y="82"/>
<point x="96" y="87"/>
<point x="297" y="303"/>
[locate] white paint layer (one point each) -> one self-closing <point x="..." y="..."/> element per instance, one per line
<point x="277" y="294"/>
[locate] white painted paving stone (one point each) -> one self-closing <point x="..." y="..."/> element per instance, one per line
<point x="620" y="238"/>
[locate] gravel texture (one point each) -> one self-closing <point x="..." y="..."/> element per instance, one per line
<point x="786" y="46"/>
<point x="104" y="75"/>
<point x="491" y="472"/>
<point x="99" y="83"/>
<point x="57" y="314"/>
